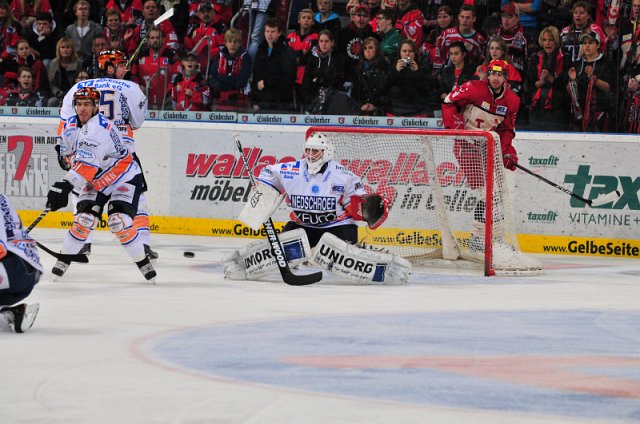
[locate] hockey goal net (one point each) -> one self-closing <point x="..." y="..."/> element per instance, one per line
<point x="447" y="192"/>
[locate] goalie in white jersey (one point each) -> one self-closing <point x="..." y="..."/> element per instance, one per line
<point x="103" y="171"/>
<point x="326" y="201"/>
<point x="20" y="270"/>
<point x="123" y="103"/>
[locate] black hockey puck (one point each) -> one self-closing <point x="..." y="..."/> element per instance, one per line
<point x="189" y="254"/>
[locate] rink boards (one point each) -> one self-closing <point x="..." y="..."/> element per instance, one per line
<point x="198" y="184"/>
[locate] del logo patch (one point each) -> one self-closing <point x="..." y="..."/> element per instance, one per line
<point x="337" y="189"/>
<point x="501" y="110"/>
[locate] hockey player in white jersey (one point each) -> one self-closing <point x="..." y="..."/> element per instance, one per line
<point x="104" y="171"/>
<point x="326" y="201"/>
<point x="123" y="103"/>
<point x="20" y="270"/>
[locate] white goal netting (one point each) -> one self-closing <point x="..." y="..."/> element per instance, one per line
<point x="437" y="184"/>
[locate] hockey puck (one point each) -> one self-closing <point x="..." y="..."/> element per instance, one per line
<point x="189" y="254"/>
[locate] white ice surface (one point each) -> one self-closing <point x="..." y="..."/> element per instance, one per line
<point x="89" y="356"/>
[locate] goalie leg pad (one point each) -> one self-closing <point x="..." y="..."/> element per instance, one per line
<point x="263" y="202"/>
<point x="357" y="264"/>
<point x="256" y="259"/>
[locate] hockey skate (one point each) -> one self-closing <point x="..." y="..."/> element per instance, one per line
<point x="20" y="317"/>
<point x="147" y="270"/>
<point x="152" y="255"/>
<point x="60" y="268"/>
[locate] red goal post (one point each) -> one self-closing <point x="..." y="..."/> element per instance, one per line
<point x="439" y="196"/>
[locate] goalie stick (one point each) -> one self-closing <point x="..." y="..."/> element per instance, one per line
<point x="278" y="252"/>
<point x="600" y="200"/>
<point x="60" y="256"/>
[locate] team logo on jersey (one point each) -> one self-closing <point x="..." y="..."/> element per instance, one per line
<point x="485" y="106"/>
<point x="501" y="110"/>
<point x="337" y="189"/>
<point x="315" y="189"/>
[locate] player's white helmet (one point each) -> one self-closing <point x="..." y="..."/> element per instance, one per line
<point x="318" y="141"/>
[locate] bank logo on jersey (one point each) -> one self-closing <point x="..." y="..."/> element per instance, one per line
<point x="289" y="171"/>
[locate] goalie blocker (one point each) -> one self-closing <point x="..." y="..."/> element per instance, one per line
<point x="340" y="258"/>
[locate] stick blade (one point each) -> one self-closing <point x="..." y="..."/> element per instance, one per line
<point x="300" y="280"/>
<point x="166" y="15"/>
<point x="607" y="198"/>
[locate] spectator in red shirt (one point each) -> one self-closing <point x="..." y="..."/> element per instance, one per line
<point x="302" y="41"/>
<point x="206" y="39"/>
<point x="150" y="13"/>
<point x="130" y="11"/>
<point x="9" y="32"/>
<point x="155" y="70"/>
<point x="26" y="58"/>
<point x="190" y="90"/>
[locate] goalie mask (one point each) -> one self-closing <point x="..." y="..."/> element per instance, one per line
<point x="318" y="150"/>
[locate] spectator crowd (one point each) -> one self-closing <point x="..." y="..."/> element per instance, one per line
<point x="574" y="64"/>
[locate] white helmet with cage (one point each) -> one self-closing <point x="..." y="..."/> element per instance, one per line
<point x="318" y="141"/>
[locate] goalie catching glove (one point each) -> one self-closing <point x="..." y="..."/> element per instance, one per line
<point x="371" y="208"/>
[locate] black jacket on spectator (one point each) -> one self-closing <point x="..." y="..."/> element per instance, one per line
<point x="604" y="70"/>
<point x="25" y="98"/>
<point x="46" y="46"/>
<point x="447" y="78"/>
<point x="410" y="91"/>
<point x="371" y="85"/>
<point x="278" y="71"/>
<point x="322" y="71"/>
<point x="349" y="44"/>
<point x="61" y="79"/>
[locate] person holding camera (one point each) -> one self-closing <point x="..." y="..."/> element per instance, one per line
<point x="411" y="83"/>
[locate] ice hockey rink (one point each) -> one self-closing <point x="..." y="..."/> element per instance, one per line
<point x="449" y="347"/>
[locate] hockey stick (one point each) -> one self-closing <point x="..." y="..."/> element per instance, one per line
<point x="60" y="256"/>
<point x="600" y="200"/>
<point x="166" y="15"/>
<point x="287" y="276"/>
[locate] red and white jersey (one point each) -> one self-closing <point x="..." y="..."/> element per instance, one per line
<point x="121" y="102"/>
<point x="14" y="239"/>
<point x="474" y="43"/>
<point x="100" y="157"/>
<point x="317" y="200"/>
<point x="409" y="24"/>
<point x="473" y="106"/>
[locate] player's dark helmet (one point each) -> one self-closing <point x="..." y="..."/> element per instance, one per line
<point x="112" y="58"/>
<point x="87" y="93"/>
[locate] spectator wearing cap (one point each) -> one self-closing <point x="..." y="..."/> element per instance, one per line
<point x="464" y="32"/>
<point x="130" y="11"/>
<point x="326" y="18"/>
<point x="409" y="21"/>
<point x="581" y="22"/>
<point x="349" y="40"/>
<point x="83" y="30"/>
<point x="590" y="81"/>
<point x="206" y="39"/>
<point x="527" y="12"/>
<point x="390" y="37"/>
<point x="42" y="37"/>
<point x="512" y="33"/>
<point x="25" y="11"/>
<point x="547" y="82"/>
<point x="190" y="91"/>
<point x="150" y="13"/>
